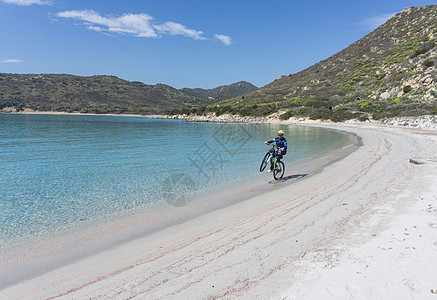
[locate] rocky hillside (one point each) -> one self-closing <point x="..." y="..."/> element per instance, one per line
<point x="100" y="94"/>
<point x="389" y="72"/>
<point x="222" y="92"/>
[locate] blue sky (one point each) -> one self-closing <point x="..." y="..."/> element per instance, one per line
<point x="193" y="43"/>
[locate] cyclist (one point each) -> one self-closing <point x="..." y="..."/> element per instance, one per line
<point x="281" y="142"/>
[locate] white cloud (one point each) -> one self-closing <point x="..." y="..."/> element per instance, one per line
<point x="95" y="28"/>
<point x="135" y="24"/>
<point x="375" y="21"/>
<point x="224" y="39"/>
<point x="179" y="29"/>
<point x="13" y="60"/>
<point x="27" y="2"/>
<point x="139" y="25"/>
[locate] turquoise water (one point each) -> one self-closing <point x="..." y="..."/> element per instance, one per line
<point x="58" y="171"/>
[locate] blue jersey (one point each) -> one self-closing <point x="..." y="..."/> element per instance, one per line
<point x="280" y="142"/>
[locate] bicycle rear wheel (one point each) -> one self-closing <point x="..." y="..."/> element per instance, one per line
<point x="264" y="162"/>
<point x="279" y="170"/>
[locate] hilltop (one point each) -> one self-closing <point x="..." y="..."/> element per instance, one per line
<point x="222" y="92"/>
<point x="103" y="94"/>
<point x="389" y="72"/>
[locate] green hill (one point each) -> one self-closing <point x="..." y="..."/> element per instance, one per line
<point x="222" y="92"/>
<point x="99" y="94"/>
<point x="389" y="72"/>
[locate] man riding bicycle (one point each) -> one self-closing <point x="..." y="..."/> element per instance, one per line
<point x="281" y="142"/>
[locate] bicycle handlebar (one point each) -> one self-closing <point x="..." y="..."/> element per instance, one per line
<point x="273" y="145"/>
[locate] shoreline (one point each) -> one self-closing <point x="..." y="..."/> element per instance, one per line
<point x="261" y="247"/>
<point x="60" y="113"/>
<point x="426" y="122"/>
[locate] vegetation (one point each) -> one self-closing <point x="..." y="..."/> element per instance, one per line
<point x="407" y="89"/>
<point x="428" y="63"/>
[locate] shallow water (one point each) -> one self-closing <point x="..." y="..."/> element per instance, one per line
<point x="60" y="171"/>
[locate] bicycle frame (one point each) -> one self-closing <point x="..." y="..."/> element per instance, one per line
<point x="272" y="153"/>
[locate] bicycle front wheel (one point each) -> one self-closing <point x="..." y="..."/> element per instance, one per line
<point x="264" y="162"/>
<point x="279" y="170"/>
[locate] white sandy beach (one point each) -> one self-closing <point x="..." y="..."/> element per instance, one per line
<point x="363" y="228"/>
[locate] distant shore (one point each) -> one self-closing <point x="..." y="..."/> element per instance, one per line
<point x="427" y="122"/>
<point x="37" y="112"/>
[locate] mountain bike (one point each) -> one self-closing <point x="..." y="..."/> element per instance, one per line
<point x="275" y="161"/>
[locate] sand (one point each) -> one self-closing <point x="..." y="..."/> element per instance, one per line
<point x="365" y="227"/>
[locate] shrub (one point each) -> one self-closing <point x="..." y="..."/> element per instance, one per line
<point x="418" y="52"/>
<point x="318" y="103"/>
<point x="303" y="111"/>
<point x="425" y="48"/>
<point x="363" y="118"/>
<point x="201" y="110"/>
<point x="428" y="63"/>
<point x="186" y="110"/>
<point x="287" y="115"/>
<point x="263" y="110"/>
<point x="407" y="89"/>
<point x="321" y="113"/>
<point x="345" y="114"/>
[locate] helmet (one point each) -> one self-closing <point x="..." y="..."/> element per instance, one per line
<point x="281" y="132"/>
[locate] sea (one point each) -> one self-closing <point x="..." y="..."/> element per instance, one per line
<point x="62" y="171"/>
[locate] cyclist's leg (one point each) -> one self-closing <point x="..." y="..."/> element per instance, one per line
<point x="277" y="156"/>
